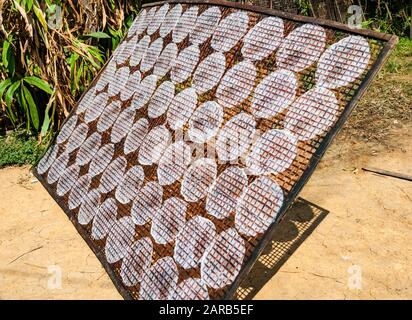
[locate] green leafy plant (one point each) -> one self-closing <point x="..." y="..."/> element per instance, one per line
<point x="304" y="7"/>
<point x="21" y="90"/>
<point x="50" y="51"/>
<point x="387" y="16"/>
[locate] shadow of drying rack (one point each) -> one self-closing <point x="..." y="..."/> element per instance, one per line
<point x="299" y="222"/>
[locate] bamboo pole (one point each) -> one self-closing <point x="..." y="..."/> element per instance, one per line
<point x="388" y="173"/>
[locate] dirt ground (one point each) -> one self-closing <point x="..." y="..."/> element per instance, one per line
<point x="361" y="249"/>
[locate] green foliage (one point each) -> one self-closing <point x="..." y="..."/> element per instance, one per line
<point x="7" y="56"/>
<point x="303" y="7"/>
<point x="20" y="90"/>
<point x="404" y="49"/>
<point x="387" y="103"/>
<point x="387" y="16"/>
<point x="384" y="15"/>
<point x="20" y="148"/>
<point x="50" y="51"/>
<point x="400" y="61"/>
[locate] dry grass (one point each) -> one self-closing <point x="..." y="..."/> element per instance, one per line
<point x="388" y="102"/>
<point x="62" y="44"/>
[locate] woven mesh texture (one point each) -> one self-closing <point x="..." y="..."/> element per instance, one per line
<point x="184" y="151"/>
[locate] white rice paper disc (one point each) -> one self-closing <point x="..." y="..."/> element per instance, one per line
<point x="67" y="129"/>
<point x="136" y="261"/>
<point x="79" y="191"/>
<point x="258" y="207"/>
<point x="206" y="24"/>
<point x="235" y="137"/>
<point x="181" y="108"/>
<point x="77" y="138"/>
<point x="144" y="92"/>
<point x="263" y="39"/>
<point x="223" y="259"/>
<point x="343" y="62"/>
<point x="185" y="63"/>
<point x="136" y="136"/>
<point x="150" y="15"/>
<point x="158" y="19"/>
<point x="87" y="99"/>
<point x="139" y="51"/>
<point x="191" y="242"/>
<point x="113" y="175"/>
<point x="119" y="239"/>
<point x="209" y="72"/>
<point x="109" y="116"/>
<point x="161" y="100"/>
<point x="148" y="200"/>
<point x="57" y="168"/>
<point x="171" y="19"/>
<point x="123" y="125"/>
<point x="127" y="190"/>
<point x="154" y="145"/>
<point x="131" y="86"/>
<point x="301" y="48"/>
<point x="166" y="60"/>
<point x="190" y="289"/>
<point x="96" y="108"/>
<point x="168" y="220"/>
<point x="198" y="179"/>
<point x="125" y="50"/>
<point x="119" y="81"/>
<point x="102" y="159"/>
<point x="275" y="93"/>
<point x="89" y="208"/>
<point x="107" y="75"/>
<point x="237" y="84"/>
<point x="151" y="55"/>
<point x="229" y="31"/>
<point x="67" y="180"/>
<point x="312" y="114"/>
<point x="173" y="163"/>
<point x="160" y="280"/>
<point x="48" y="159"/>
<point x="89" y="149"/>
<point x="139" y="25"/>
<point x="185" y="25"/>
<point x="272" y="153"/>
<point x="205" y="122"/>
<point x="225" y="192"/>
<point x="104" y="219"/>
